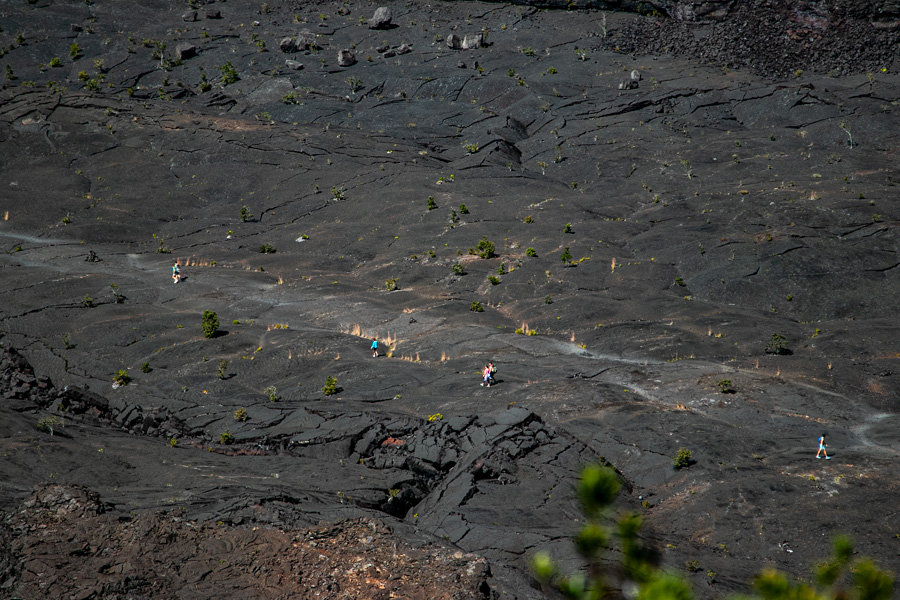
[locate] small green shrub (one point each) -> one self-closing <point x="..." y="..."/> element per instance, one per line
<point x="493" y="279"/>
<point x="48" y="424"/>
<point x="226" y="438"/>
<point x="548" y="299"/>
<point x="229" y="74"/>
<point x="331" y="386"/>
<point x="210" y="323"/>
<point x="221" y="372"/>
<point x="567" y="228"/>
<point x="777" y="345"/>
<point x="75" y="51"/>
<point x="117" y="297"/>
<point x="725" y="386"/>
<point x="431" y="203"/>
<point x="267" y="249"/>
<point x="271" y="393"/>
<point x="531" y="252"/>
<point x="484" y="249"/>
<point x="565" y="257"/>
<point x="245" y="214"/>
<point x="529" y="219"/>
<point x="55" y="62"/>
<point x="458" y="269"/>
<point x="471" y="148"/>
<point x="679" y="281"/>
<point x="173" y="442"/>
<point x="121" y="377"/>
<point x="390" y="284"/>
<point x="463" y="210"/>
<point x="145" y="368"/>
<point x="87" y="301"/>
<point x="476" y="306"/>
<point x="683" y="458"/>
<point x="241" y="415"/>
<point x="337" y="193"/>
<point x="67" y="343"/>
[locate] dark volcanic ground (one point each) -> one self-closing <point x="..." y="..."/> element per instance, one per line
<point x="704" y="210"/>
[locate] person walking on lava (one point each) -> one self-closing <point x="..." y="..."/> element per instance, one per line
<point x="822" y="445"/>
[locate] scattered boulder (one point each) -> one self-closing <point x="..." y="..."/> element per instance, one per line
<point x="293" y="65"/>
<point x="186" y="51"/>
<point x="306" y="40"/>
<point x="288" y="45"/>
<point x="454" y="42"/>
<point x="404" y="49"/>
<point x="382" y="49"/>
<point x="635" y="75"/>
<point x="343" y="11"/>
<point x="190" y="16"/>
<point x="214" y="14"/>
<point x="381" y="19"/>
<point x="346" y="58"/>
<point x="473" y="41"/>
<point x="628" y="84"/>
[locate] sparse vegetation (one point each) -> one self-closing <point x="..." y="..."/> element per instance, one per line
<point x="241" y="415"/>
<point x="566" y="256"/>
<point x="245" y="214"/>
<point x="75" y="51"/>
<point x="777" y="345"/>
<point x="484" y="249"/>
<point x="145" y="368"/>
<point x="121" y="377"/>
<point x="222" y="371"/>
<point x="267" y="248"/>
<point x="229" y="74"/>
<point x="210" y="323"/>
<point x="331" y="386"/>
<point x="683" y="458"/>
<point x="432" y="204"/>
<point x="117" y="297"/>
<point x="49" y="424"/>
<point x="271" y="393"/>
<point x="391" y="284"/>
<point x="476" y="306"/>
<point x="226" y="438"/>
<point x="493" y="279"/>
<point x="87" y="301"/>
<point x="725" y="386"/>
<point x="458" y="269"/>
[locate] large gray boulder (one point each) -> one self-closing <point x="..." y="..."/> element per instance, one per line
<point x="288" y="45"/>
<point x="473" y="41"/>
<point x="306" y="40"/>
<point x="346" y="58"/>
<point x="381" y="19"/>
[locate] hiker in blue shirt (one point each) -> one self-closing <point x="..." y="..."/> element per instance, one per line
<point x="374" y="348"/>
